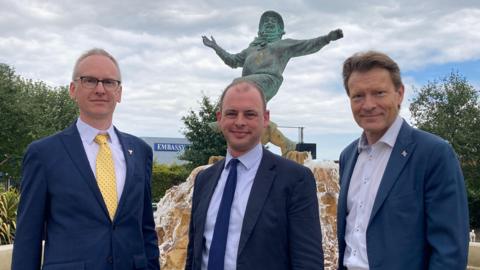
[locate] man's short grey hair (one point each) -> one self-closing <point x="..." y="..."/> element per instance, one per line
<point x="95" y="51"/>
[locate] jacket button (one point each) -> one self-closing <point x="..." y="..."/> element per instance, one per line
<point x="109" y="259"/>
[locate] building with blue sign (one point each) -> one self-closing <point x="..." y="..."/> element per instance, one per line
<point x="167" y="150"/>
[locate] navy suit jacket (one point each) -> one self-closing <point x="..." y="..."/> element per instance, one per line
<point x="281" y="226"/>
<point x="419" y="218"/>
<point x="60" y="201"/>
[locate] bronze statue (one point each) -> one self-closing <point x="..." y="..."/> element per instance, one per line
<point x="265" y="60"/>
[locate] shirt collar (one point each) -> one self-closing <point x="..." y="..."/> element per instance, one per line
<point x="248" y="159"/>
<point x="388" y="138"/>
<point x="88" y="133"/>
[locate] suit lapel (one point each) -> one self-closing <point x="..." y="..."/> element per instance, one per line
<point x="74" y="147"/>
<point x="129" y="155"/>
<point x="401" y="153"/>
<point x="204" y="201"/>
<point x="347" y="169"/>
<point x="259" y="193"/>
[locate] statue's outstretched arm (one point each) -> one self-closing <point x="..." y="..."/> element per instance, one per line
<point x="335" y="34"/>
<point x="232" y="60"/>
<point x="296" y="48"/>
<point x="210" y="43"/>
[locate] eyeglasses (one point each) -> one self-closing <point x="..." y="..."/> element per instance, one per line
<point x="92" y="82"/>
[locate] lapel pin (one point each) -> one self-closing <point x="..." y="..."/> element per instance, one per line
<point x="130" y="151"/>
<point x="404" y="153"/>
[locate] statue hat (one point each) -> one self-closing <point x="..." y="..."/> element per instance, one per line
<point x="272" y="14"/>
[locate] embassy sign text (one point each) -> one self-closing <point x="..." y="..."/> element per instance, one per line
<point x="169" y="147"/>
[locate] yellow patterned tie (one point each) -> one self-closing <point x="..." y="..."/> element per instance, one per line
<point x="106" y="174"/>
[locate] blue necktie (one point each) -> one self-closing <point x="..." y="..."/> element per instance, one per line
<point x="216" y="257"/>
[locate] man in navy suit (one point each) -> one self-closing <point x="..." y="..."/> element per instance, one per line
<point x="87" y="226"/>
<point x="272" y="219"/>
<point x="402" y="202"/>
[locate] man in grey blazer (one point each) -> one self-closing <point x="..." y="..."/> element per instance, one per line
<point x="402" y="202"/>
<point x="271" y="220"/>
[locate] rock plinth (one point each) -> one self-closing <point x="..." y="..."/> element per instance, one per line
<point x="172" y="220"/>
<point x="326" y="175"/>
<point x="173" y="216"/>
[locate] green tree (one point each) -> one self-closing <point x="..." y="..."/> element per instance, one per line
<point x="165" y="176"/>
<point x="205" y="142"/>
<point x="29" y="110"/>
<point x="450" y="108"/>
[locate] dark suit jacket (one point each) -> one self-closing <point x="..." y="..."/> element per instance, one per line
<point x="419" y="218"/>
<point x="60" y="199"/>
<point x="281" y="226"/>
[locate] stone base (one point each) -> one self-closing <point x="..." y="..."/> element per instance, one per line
<point x="6" y="257"/>
<point x="172" y="223"/>
<point x="474" y="256"/>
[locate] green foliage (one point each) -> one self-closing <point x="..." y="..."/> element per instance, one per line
<point x="8" y="215"/>
<point x="205" y="142"/>
<point x="164" y="177"/>
<point x="30" y="110"/>
<point x="450" y="108"/>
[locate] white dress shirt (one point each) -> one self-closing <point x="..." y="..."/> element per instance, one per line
<point x="87" y="134"/>
<point x="246" y="171"/>
<point x="366" y="178"/>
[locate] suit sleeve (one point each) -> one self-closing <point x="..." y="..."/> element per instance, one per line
<point x="305" y="236"/>
<point x="446" y="211"/>
<point x="148" y="226"/>
<point x="31" y="213"/>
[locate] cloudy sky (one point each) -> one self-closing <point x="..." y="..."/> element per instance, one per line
<point x="166" y="68"/>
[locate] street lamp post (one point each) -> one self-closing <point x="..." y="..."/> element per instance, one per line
<point x="300" y="132"/>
